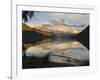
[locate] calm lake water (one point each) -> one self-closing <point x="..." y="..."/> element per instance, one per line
<point x="56" y="52"/>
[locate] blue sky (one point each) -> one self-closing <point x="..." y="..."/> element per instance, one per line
<point x="68" y="18"/>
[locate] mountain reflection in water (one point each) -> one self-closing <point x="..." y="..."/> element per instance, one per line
<point x="55" y="52"/>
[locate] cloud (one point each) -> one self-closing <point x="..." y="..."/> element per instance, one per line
<point x="67" y="18"/>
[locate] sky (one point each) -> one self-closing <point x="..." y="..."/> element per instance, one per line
<point x="41" y="17"/>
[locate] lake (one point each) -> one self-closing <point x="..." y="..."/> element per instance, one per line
<point x="58" y="51"/>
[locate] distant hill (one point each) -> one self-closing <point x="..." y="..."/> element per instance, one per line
<point x="32" y="35"/>
<point x="25" y="27"/>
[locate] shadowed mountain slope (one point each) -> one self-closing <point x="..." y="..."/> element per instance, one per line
<point x="83" y="37"/>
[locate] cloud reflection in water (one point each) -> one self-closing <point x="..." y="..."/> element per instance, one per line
<point x="69" y="51"/>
